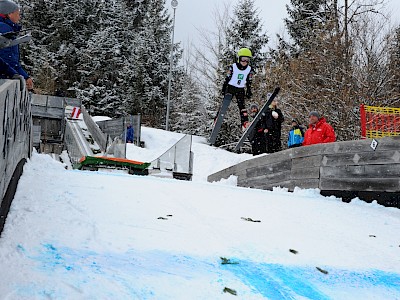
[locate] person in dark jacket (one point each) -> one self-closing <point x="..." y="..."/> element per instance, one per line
<point x="257" y="138"/>
<point x="296" y="134"/>
<point x="238" y="83"/>
<point x="129" y="133"/>
<point x="273" y="125"/>
<point x="9" y="18"/>
<point x="6" y="72"/>
<point x="319" y="131"/>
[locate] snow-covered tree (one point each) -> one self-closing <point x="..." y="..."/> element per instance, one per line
<point x="188" y="112"/>
<point x="344" y="64"/>
<point x="306" y="17"/>
<point x="150" y="60"/>
<point x="245" y="30"/>
<point x="394" y="64"/>
<point x="104" y="62"/>
<point x="58" y="36"/>
<point x="112" y="54"/>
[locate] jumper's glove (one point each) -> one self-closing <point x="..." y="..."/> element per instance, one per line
<point x="249" y="94"/>
<point x="275" y="114"/>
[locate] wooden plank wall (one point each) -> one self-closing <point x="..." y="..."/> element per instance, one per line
<point x="340" y="166"/>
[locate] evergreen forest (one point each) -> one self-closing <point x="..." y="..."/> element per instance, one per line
<point x="115" y="56"/>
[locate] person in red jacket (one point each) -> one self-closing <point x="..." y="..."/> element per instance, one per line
<point x="318" y="131"/>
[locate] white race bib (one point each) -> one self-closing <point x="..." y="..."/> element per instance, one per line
<point x="239" y="76"/>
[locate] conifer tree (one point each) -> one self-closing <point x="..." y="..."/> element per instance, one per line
<point x="244" y="30"/>
<point x="306" y="17"/>
<point x="150" y="60"/>
<point x="60" y="29"/>
<point x="188" y="112"/>
<point x="103" y="62"/>
<point x="394" y="64"/>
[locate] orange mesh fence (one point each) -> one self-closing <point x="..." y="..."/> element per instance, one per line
<point x="377" y="122"/>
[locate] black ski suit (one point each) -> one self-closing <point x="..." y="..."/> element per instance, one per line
<point x="239" y="92"/>
<point x="274" y="127"/>
<point x="257" y="139"/>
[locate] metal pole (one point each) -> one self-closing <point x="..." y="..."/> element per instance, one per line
<point x="174" y="4"/>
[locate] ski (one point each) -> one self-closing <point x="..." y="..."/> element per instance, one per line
<point x="220" y="118"/>
<point x="7" y="41"/>
<point x="249" y="130"/>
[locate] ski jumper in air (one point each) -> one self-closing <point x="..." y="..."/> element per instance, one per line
<point x="238" y="83"/>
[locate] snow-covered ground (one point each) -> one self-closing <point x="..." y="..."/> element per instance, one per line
<point x="207" y="160"/>
<point x="93" y="235"/>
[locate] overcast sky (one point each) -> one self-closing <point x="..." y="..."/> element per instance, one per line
<point x="192" y="14"/>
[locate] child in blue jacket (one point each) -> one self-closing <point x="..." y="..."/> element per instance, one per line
<point x="296" y="135"/>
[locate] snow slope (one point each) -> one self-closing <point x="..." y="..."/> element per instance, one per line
<point x="207" y="160"/>
<point x="94" y="235"/>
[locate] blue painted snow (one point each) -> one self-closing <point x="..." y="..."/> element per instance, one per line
<point x="83" y="268"/>
<point x="275" y="281"/>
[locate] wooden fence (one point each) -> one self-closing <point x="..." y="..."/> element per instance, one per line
<point x="346" y="169"/>
<point x="15" y="140"/>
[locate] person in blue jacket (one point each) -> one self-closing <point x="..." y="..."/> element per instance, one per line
<point x="129" y="133"/>
<point x="296" y="134"/>
<point x="9" y="18"/>
<point x="6" y="72"/>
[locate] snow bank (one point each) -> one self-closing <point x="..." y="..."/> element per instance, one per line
<point x="94" y="235"/>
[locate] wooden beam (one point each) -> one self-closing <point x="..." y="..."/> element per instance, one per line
<point x="360" y="184"/>
<point x="364" y="171"/>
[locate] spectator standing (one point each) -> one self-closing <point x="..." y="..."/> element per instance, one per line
<point x="6" y="71"/>
<point x="273" y="125"/>
<point x="129" y="133"/>
<point x="296" y="134"/>
<point x="9" y="18"/>
<point x="319" y="131"/>
<point x="258" y="142"/>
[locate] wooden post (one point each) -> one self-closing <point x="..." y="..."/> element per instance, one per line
<point x="363" y="122"/>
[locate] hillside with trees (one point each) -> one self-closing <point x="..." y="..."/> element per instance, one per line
<point x="114" y="55"/>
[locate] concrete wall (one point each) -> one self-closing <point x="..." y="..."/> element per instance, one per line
<point x="352" y="167"/>
<point x="15" y="139"/>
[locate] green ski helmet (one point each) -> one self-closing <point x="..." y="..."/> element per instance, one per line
<point x="244" y="52"/>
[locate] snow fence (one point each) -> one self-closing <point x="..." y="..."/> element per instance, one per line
<point x="177" y="160"/>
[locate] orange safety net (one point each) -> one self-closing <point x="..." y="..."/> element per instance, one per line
<point x="377" y="122"/>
